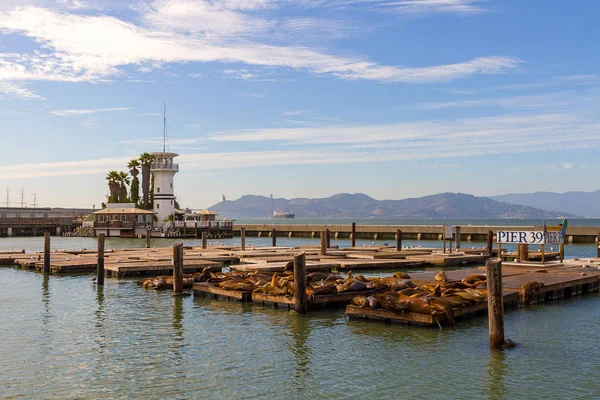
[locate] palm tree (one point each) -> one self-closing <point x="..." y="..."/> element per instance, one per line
<point x="146" y="159"/>
<point x="135" y="182"/>
<point x="113" y="186"/>
<point x="122" y="190"/>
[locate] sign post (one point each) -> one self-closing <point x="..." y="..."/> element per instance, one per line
<point x="448" y="236"/>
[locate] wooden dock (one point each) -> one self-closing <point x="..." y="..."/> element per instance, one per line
<point x="557" y="281"/>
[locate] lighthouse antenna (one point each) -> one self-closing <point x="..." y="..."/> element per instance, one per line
<point x="165" y="127"/>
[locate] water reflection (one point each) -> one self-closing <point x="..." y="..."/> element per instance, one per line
<point x="178" y="318"/>
<point x="46" y="299"/>
<point x="300" y="330"/>
<point x="497" y="370"/>
<point x="100" y="318"/>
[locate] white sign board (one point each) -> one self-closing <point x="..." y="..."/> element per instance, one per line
<point x="520" y="237"/>
<point x="447" y="231"/>
<point x="554" y="238"/>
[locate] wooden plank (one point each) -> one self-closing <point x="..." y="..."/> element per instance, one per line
<point x="280" y="266"/>
<point x="375" y="264"/>
<point x="207" y="288"/>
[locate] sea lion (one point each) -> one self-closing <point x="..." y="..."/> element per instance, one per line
<point x="441" y="277"/>
<point x="401" y="275"/>
<point x="372" y="302"/>
<point x="389" y="302"/>
<point x="159" y="283"/>
<point x="443" y="306"/>
<point x="360" y="301"/>
<point x="529" y="289"/>
<point x="416" y="305"/>
<point x="289" y="266"/>
<point x="351" y="286"/>
<point x="474" y="278"/>
<point x="410" y="291"/>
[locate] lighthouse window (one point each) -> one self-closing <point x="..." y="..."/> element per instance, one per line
<point x="157" y="190"/>
<point x="171" y="202"/>
<point x="157" y="206"/>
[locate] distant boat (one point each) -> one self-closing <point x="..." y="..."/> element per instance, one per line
<point x="283" y="214"/>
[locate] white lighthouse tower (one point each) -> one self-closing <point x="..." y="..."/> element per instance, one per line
<point x="163" y="170"/>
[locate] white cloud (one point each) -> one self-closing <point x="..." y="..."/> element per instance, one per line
<point x="196" y="75"/>
<point x="295" y="112"/>
<point x="71" y="113"/>
<point x="92" y="48"/>
<point x="237" y="74"/>
<point x="435" y="6"/>
<point x="567" y="165"/>
<point x="9" y="90"/>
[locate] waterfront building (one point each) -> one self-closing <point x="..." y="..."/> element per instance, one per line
<point x="27" y="221"/>
<point x="163" y="170"/>
<point x="123" y="220"/>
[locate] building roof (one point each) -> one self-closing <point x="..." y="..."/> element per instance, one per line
<point x="112" y="211"/>
<point x="206" y="212"/>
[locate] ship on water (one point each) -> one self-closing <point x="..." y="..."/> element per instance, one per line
<point x="283" y="214"/>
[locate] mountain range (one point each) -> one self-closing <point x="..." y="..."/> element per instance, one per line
<point x="585" y="204"/>
<point x="345" y="205"/>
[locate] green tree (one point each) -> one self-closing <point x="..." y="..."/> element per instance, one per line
<point x="146" y="159"/>
<point x="113" y="186"/>
<point x="122" y="181"/>
<point x="135" y="182"/>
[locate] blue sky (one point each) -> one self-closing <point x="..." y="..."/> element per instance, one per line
<point x="304" y="98"/>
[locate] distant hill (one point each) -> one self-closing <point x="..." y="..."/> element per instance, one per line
<point x="585" y="204"/>
<point x="345" y="205"/>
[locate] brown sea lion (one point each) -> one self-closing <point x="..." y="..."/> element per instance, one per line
<point x="416" y="305"/>
<point x="530" y="289"/>
<point x="401" y="275"/>
<point x="441" y="277"/>
<point x="158" y="283"/>
<point x="389" y="302"/>
<point x="410" y="291"/>
<point x="360" y="301"/>
<point x="474" y="278"/>
<point x="444" y="306"/>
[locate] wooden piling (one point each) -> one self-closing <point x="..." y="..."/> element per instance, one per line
<point x="495" y="302"/>
<point x="490" y="239"/>
<point x="398" y="240"/>
<point x="457" y="239"/>
<point x="543" y="254"/>
<point x="561" y="251"/>
<point x="328" y="237"/>
<point x="323" y="243"/>
<point x="598" y="245"/>
<point x="353" y="235"/>
<point x="300" y="283"/>
<point x="523" y="252"/>
<point x="243" y="238"/>
<point x="178" y="268"/>
<point x="100" y="261"/>
<point x="274" y="237"/>
<point x="148" y="235"/>
<point x="46" y="252"/>
<point x="204" y="239"/>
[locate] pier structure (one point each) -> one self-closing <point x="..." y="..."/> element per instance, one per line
<point x="467" y="233"/>
<point x="164" y="169"/>
<point x="34" y="221"/>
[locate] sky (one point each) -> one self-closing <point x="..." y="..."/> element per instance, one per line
<point x="299" y="98"/>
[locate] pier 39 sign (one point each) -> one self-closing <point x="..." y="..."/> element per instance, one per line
<point x="529" y="237"/>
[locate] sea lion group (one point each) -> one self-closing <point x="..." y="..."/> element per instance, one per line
<point x="402" y="296"/>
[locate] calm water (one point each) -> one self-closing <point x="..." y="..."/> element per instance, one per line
<point x="62" y="337"/>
